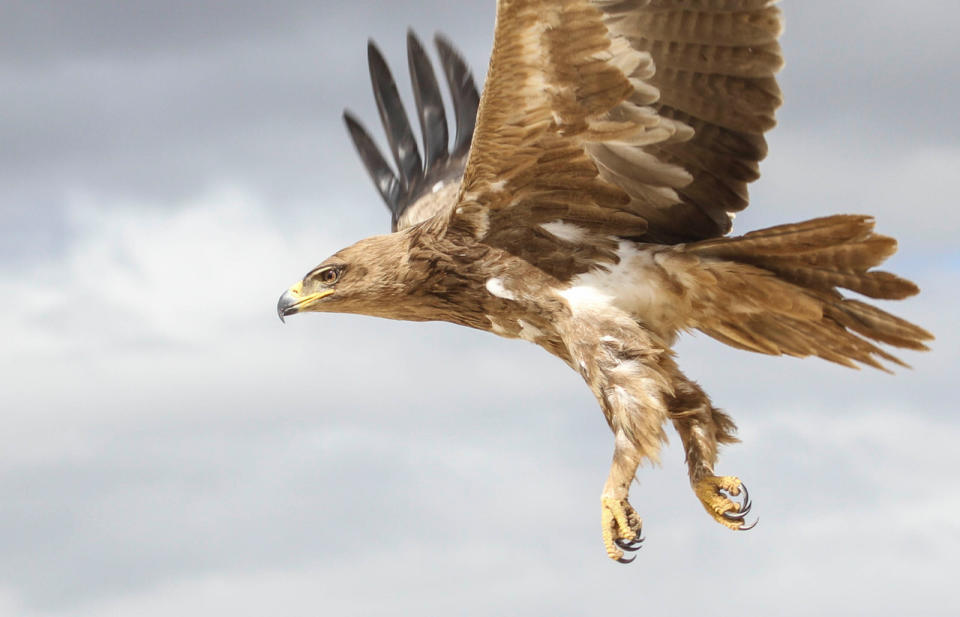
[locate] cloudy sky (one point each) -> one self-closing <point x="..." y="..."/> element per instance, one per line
<point x="167" y="447"/>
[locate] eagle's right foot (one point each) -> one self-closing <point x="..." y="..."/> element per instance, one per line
<point x="713" y="493"/>
<point x="621" y="528"/>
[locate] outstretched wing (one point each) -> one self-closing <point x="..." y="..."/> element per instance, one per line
<point x="423" y="186"/>
<point x="640" y="119"/>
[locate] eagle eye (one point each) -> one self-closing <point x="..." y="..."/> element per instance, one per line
<point x="329" y="276"/>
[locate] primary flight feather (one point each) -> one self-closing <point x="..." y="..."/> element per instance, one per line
<point x="583" y="205"/>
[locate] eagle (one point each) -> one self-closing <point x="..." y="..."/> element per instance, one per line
<point x="584" y="205"/>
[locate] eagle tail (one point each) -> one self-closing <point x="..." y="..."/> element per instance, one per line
<point x="816" y="258"/>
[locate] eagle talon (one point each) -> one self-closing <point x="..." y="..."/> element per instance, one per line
<point x="629" y="545"/>
<point x="621" y="528"/>
<point x="748" y="527"/>
<point x="745" y="503"/>
<point x="626" y="560"/>
<point x="742" y="508"/>
<point x="738" y="515"/>
<point x="714" y="493"/>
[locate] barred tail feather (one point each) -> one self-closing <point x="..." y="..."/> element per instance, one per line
<point x="815" y="258"/>
<point x="878" y="325"/>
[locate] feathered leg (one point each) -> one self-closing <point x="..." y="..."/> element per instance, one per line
<point x="702" y="427"/>
<point x="628" y="370"/>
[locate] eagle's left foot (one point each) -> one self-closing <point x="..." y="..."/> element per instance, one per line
<point x="712" y="492"/>
<point x="621" y="528"/>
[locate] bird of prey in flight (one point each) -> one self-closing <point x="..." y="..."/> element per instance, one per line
<point x="584" y="206"/>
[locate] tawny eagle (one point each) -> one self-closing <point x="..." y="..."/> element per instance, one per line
<point x="583" y="206"/>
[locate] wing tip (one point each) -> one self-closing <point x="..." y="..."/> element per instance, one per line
<point x="402" y="188"/>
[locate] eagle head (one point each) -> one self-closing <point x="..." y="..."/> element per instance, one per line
<point x="309" y="293"/>
<point x="358" y="279"/>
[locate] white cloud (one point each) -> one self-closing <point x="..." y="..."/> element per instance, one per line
<point x="516" y="529"/>
<point x="908" y="190"/>
<point x="221" y="460"/>
<point x="136" y="274"/>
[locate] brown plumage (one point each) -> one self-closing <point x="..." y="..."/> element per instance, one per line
<point x="613" y="142"/>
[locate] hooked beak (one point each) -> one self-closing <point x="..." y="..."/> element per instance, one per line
<point x="292" y="301"/>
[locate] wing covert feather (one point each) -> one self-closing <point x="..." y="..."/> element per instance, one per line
<point x="715" y="64"/>
<point x="639" y="119"/>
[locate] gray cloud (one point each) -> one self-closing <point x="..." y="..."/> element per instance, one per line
<point x="879" y="71"/>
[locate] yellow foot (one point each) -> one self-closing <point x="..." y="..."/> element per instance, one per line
<point x="728" y="513"/>
<point x="621" y="528"/>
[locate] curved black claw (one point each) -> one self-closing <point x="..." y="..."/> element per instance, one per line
<point x="750" y="526"/>
<point x="745" y="506"/>
<point x="630" y="545"/>
<point x="625" y="560"/>
<point x="746" y="499"/>
<point x="741" y="513"/>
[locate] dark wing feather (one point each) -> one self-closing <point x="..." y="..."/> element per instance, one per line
<point x="383" y="177"/>
<point x="464" y="93"/>
<point x="394" y="118"/>
<point x="433" y="119"/>
<point x="424" y="186"/>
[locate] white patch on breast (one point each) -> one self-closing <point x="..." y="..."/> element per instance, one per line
<point x="627" y="367"/>
<point x="495" y="286"/>
<point x="497" y="186"/>
<point x="497" y="328"/>
<point x="564" y="231"/>
<point x="529" y="332"/>
<point x="636" y="285"/>
<point x="623" y="400"/>
<point x="585" y="298"/>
